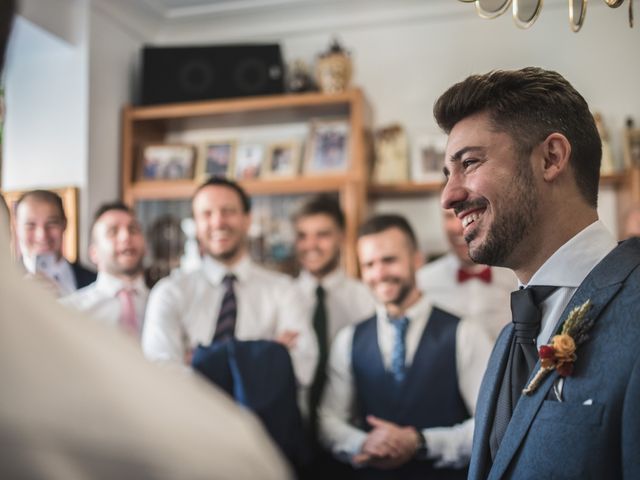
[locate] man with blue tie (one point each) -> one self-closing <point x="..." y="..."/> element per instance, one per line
<point x="402" y="385"/>
<point x="560" y="395"/>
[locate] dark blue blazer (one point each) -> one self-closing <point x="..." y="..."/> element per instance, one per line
<point x="82" y="275"/>
<point x="594" y="433"/>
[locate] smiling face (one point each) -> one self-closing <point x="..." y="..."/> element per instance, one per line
<point x="492" y="190"/>
<point x="388" y="265"/>
<point x="318" y="242"/>
<point x="39" y="228"/>
<point x="222" y="224"/>
<point x="118" y="245"/>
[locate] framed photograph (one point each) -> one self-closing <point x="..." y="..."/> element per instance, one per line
<point x="217" y="159"/>
<point x="69" y="196"/>
<point x="283" y="160"/>
<point x="328" y="147"/>
<point x="167" y="162"/>
<point x="249" y="159"/>
<point x="391" y="155"/>
<point x="428" y="158"/>
<point x="632" y="147"/>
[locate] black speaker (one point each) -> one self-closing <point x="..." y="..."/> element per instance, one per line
<point x="185" y="74"/>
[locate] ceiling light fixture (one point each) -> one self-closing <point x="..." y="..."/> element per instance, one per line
<point x="526" y="12"/>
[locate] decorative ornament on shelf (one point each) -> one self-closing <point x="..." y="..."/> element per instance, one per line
<point x="560" y="353"/>
<point x="526" y="12"/>
<point x="299" y="78"/>
<point x="334" y="69"/>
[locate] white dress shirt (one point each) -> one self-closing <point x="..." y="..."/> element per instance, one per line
<point x="59" y="272"/>
<point x="100" y="299"/>
<point x="567" y="268"/>
<point x="183" y="309"/>
<point x="449" y="446"/>
<point x="488" y="304"/>
<point x="347" y="300"/>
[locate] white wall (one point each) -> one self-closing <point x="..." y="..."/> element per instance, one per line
<point x="46" y="119"/>
<point x="113" y="59"/>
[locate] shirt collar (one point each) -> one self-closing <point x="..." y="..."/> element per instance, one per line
<point x="329" y="282"/>
<point x="111" y="285"/>
<point x="420" y="309"/>
<point x="215" y="270"/>
<point x="582" y="252"/>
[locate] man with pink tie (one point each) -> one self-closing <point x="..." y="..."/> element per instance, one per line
<point x="119" y="295"/>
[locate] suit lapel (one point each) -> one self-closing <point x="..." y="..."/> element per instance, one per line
<point x="486" y="404"/>
<point x="600" y="286"/>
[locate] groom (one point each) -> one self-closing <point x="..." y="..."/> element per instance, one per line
<point x="522" y="166"/>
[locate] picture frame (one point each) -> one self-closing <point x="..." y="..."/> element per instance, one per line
<point x="428" y="158"/>
<point x="69" y="196"/>
<point x="391" y="149"/>
<point x="167" y="162"/>
<point x="283" y="159"/>
<point x="249" y="161"/>
<point x="632" y="147"/>
<point x="217" y="159"/>
<point x="328" y="147"/>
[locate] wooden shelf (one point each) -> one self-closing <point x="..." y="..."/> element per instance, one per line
<point x="616" y="179"/>
<point x="158" y="123"/>
<point x="242" y="105"/>
<point x="412" y="189"/>
<point x="404" y="189"/>
<point x="176" y="189"/>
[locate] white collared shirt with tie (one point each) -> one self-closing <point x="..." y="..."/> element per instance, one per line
<point x="100" y="299"/>
<point x="347" y="300"/>
<point x="183" y="310"/>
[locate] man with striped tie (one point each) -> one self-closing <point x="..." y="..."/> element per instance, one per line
<point x="411" y="373"/>
<point x="229" y="296"/>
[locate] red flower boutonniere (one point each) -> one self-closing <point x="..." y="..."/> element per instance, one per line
<point x="560" y="353"/>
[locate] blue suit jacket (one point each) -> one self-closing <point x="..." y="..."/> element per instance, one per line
<point x="571" y="439"/>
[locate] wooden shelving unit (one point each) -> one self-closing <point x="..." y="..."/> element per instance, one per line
<point x="154" y="124"/>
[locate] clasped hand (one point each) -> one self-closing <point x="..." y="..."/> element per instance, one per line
<point x="387" y="445"/>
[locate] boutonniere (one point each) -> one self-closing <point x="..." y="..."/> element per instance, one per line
<point x="560" y="353"/>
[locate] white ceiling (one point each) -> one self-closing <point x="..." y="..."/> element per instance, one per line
<point x="191" y="8"/>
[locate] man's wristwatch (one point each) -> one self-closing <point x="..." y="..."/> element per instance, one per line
<point x="421" y="450"/>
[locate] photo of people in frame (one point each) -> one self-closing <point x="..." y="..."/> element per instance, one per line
<point x="167" y="162"/>
<point x="328" y="147"/>
<point x="218" y="159"/>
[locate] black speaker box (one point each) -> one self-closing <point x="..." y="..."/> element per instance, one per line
<point x="185" y="74"/>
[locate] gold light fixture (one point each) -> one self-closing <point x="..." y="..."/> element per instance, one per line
<point x="526" y="12"/>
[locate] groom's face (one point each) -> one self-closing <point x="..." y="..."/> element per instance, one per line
<point x="492" y="190"/>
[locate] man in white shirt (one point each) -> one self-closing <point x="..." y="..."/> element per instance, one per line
<point x="119" y="295"/>
<point x="560" y="395"/>
<point x="331" y="299"/>
<point x="403" y="384"/>
<point x="40" y="226"/>
<point x="184" y="309"/>
<point x="486" y="290"/>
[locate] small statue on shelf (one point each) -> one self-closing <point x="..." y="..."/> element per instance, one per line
<point x="334" y="69"/>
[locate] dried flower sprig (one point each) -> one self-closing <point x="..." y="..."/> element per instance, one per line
<point x="560" y="353"/>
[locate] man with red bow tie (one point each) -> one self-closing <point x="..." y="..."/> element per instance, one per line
<point x="473" y="292"/>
